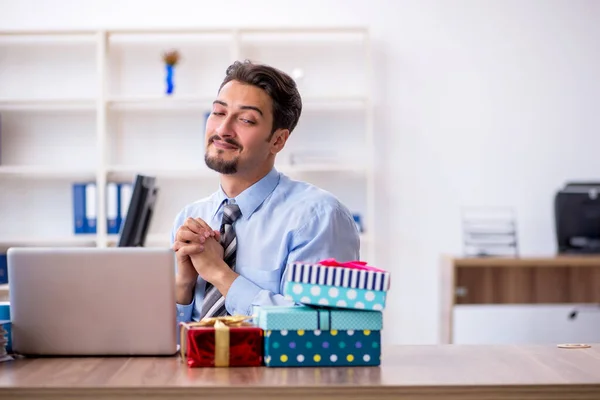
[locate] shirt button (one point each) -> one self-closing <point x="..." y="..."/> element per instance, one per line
<point x="181" y="314"/>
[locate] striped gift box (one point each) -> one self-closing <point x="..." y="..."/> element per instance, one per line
<point x="338" y="276"/>
<point x="352" y="285"/>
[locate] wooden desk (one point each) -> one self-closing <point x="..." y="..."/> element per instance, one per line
<point x="560" y="280"/>
<point x="407" y="372"/>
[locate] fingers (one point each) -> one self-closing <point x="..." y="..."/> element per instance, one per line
<point x="198" y="226"/>
<point x="185" y="249"/>
<point x="178" y="245"/>
<point x="184" y="235"/>
<point x="194" y="230"/>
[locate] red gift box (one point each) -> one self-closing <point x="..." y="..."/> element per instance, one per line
<point x="222" y="342"/>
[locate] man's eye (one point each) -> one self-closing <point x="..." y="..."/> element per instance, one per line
<point x="247" y="121"/>
<point x="218" y="113"/>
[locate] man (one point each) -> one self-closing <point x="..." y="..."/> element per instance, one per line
<point x="232" y="247"/>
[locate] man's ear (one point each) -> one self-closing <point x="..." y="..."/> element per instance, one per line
<point x="278" y="140"/>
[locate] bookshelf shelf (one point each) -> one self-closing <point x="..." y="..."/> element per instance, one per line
<point x="321" y="168"/>
<point x="47" y="104"/>
<point x="117" y="172"/>
<point x="68" y="37"/>
<point x="159" y="103"/>
<point x="103" y="116"/>
<point x="204" y="103"/>
<point x="46" y="172"/>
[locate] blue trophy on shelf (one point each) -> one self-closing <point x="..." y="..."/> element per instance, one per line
<point x="171" y="58"/>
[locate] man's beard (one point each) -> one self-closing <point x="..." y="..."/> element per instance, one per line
<point x="220" y="165"/>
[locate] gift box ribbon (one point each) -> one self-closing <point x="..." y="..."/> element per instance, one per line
<point x="221" y="325"/>
<point x="361" y="265"/>
<point x="323" y="319"/>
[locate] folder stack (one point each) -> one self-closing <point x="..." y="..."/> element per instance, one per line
<point x="118" y="196"/>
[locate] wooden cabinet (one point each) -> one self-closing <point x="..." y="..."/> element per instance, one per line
<point x="560" y="280"/>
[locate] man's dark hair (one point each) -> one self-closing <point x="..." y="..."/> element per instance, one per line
<point x="287" y="104"/>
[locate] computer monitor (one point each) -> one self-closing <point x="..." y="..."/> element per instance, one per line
<point x="139" y="214"/>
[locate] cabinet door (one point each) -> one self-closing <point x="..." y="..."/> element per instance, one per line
<point x="526" y="324"/>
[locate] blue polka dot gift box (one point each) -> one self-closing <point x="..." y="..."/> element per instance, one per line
<point x="307" y="336"/>
<point x="353" y="285"/>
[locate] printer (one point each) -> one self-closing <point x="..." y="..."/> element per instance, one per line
<point x="577" y="218"/>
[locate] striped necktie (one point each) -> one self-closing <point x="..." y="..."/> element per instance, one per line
<point x="214" y="302"/>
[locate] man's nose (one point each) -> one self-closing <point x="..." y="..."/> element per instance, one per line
<point x="225" y="128"/>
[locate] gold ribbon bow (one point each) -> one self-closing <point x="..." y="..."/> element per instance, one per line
<point x="221" y="325"/>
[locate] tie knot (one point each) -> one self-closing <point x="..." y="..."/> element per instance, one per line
<point x="231" y="212"/>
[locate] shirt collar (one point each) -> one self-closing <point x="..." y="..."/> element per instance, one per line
<point x="251" y="198"/>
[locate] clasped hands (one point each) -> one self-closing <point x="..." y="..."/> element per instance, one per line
<point x="199" y="252"/>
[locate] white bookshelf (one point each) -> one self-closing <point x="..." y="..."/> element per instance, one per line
<point x="89" y="106"/>
<point x="49" y="104"/>
<point x="164" y="104"/>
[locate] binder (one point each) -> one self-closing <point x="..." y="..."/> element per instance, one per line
<point x="125" y="191"/>
<point x="112" y="208"/>
<point x="90" y="207"/>
<point x="3" y="269"/>
<point x="79" y="219"/>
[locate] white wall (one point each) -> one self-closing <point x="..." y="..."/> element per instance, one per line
<point x="478" y="103"/>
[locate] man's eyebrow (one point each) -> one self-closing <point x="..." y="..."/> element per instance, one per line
<point x="258" y="110"/>
<point x="252" y="108"/>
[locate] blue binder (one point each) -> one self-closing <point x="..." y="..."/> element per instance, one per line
<point x="90" y="207"/>
<point x="3" y="269"/>
<point x="112" y="208"/>
<point x="79" y="220"/>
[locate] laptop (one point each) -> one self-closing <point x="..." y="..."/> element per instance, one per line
<point x="92" y="301"/>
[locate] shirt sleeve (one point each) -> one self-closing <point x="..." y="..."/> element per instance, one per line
<point x="328" y="233"/>
<point x="244" y="294"/>
<point x="331" y="233"/>
<point x="184" y="312"/>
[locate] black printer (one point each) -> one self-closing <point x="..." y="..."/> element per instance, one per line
<point x="577" y="218"/>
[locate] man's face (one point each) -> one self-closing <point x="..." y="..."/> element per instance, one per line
<point x="238" y="129"/>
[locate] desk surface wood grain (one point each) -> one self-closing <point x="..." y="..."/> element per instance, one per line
<point x="407" y="372"/>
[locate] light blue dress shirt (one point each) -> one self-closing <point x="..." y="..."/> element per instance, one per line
<point x="283" y="221"/>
